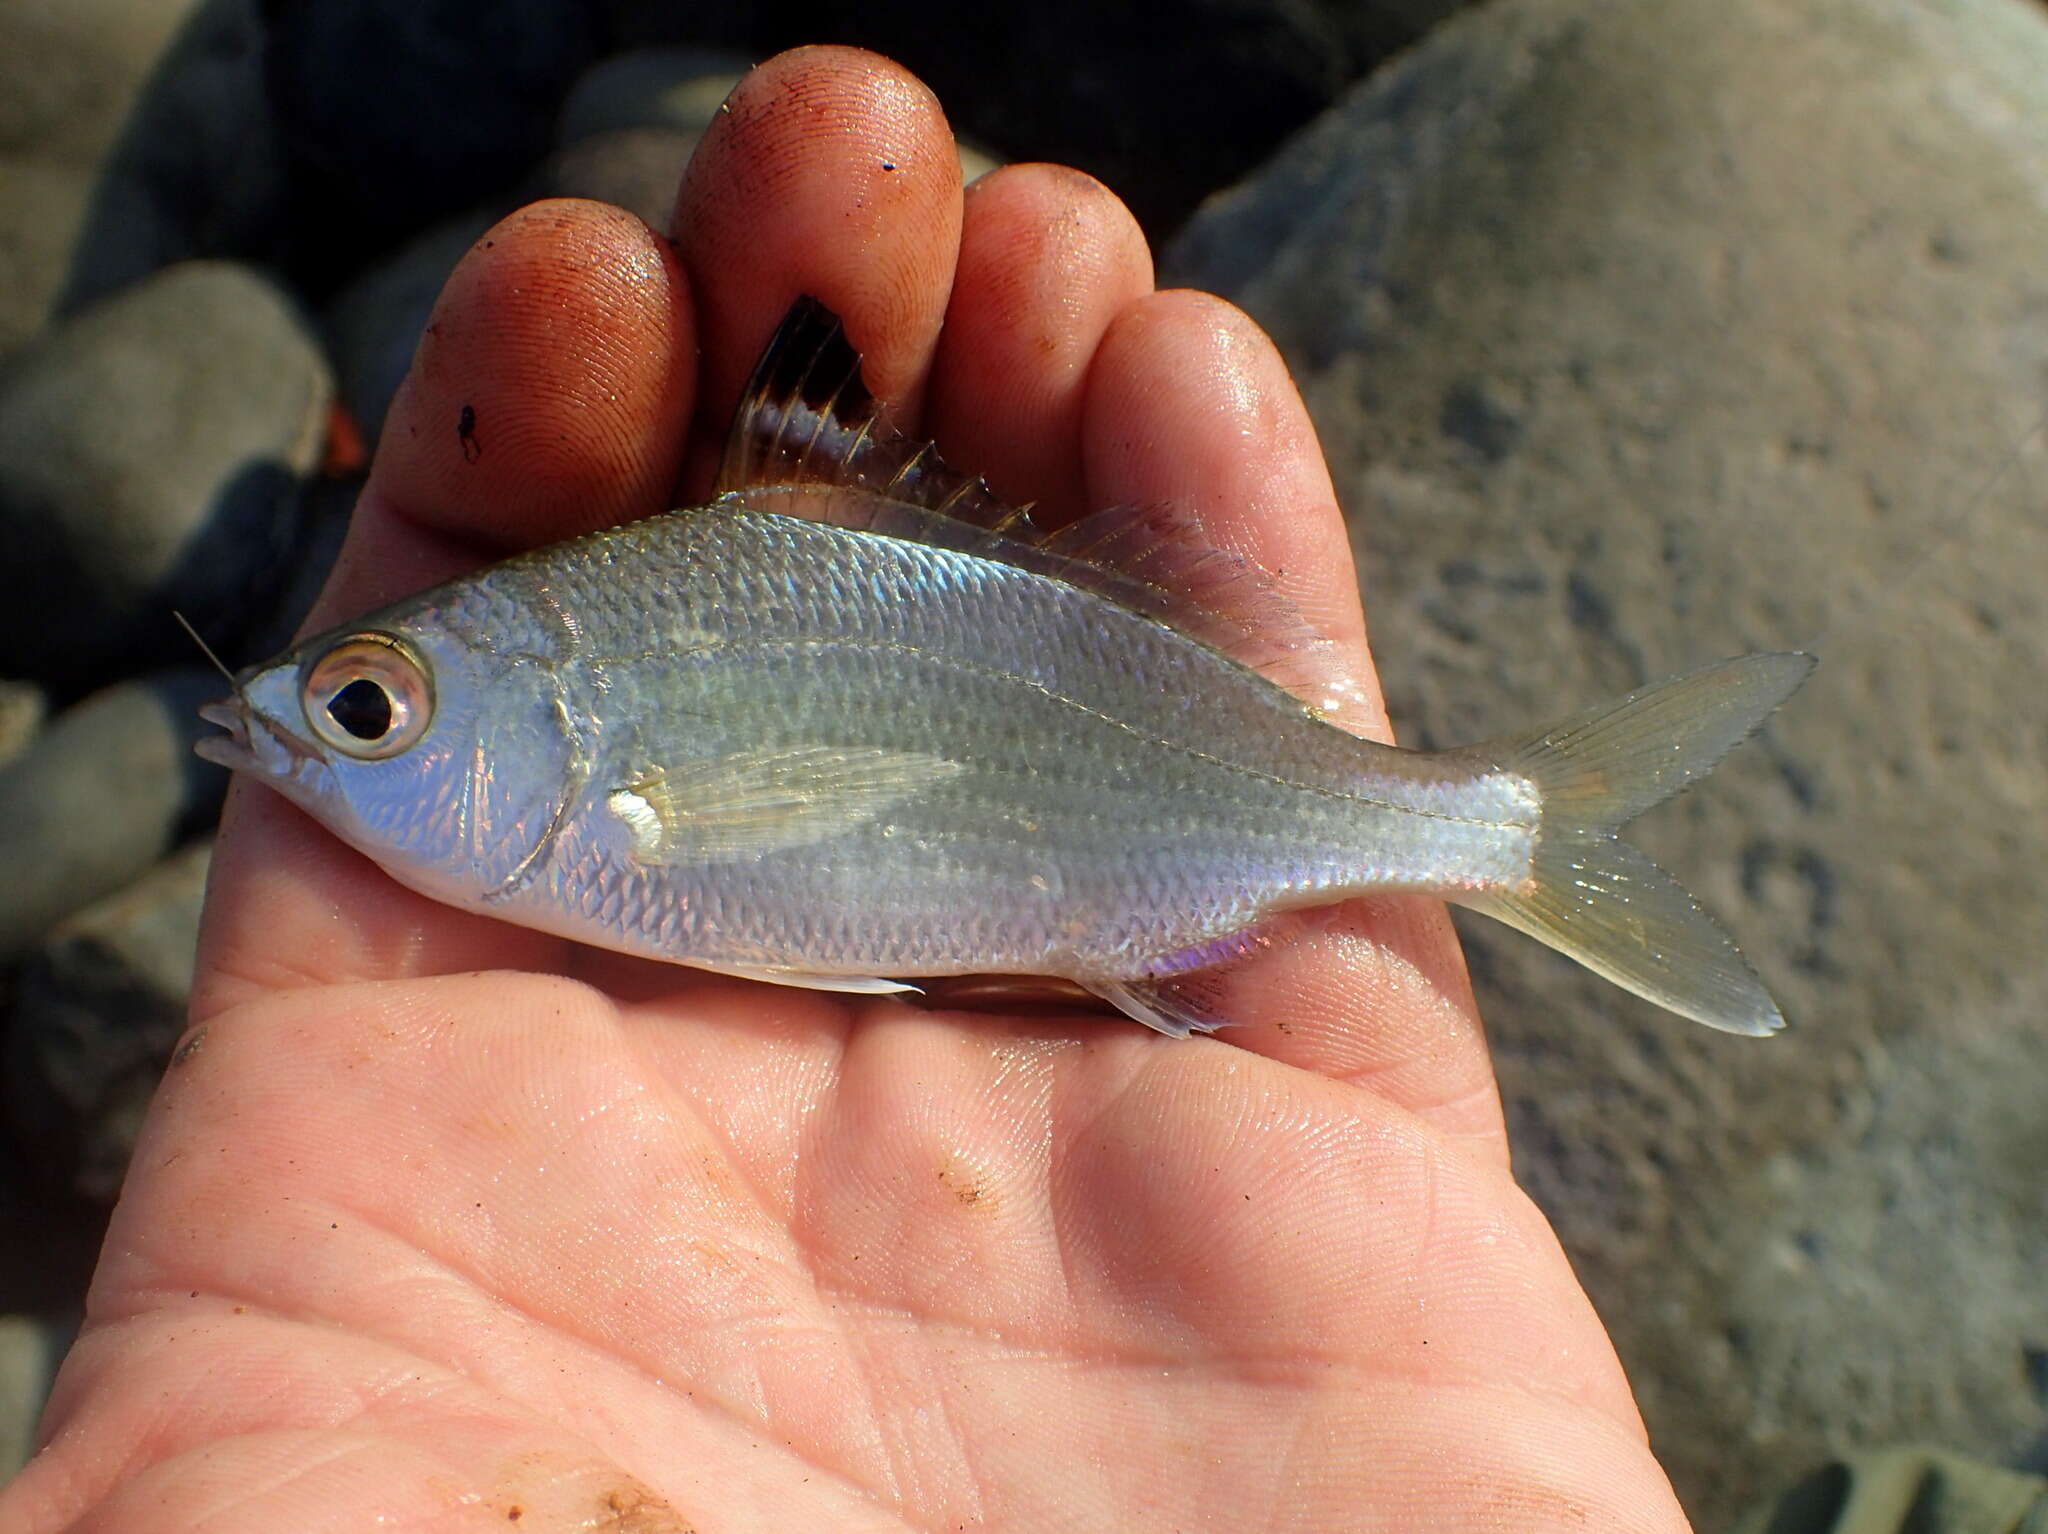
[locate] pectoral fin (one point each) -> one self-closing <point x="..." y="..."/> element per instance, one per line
<point x="753" y="802"/>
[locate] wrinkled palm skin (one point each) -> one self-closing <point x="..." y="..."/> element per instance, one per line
<point x="440" y="1224"/>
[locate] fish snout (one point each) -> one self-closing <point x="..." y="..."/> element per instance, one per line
<point x="232" y="750"/>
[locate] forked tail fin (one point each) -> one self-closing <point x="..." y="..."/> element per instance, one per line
<point x="1599" y="901"/>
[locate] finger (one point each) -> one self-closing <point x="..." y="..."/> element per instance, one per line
<point x="1048" y="257"/>
<point x="550" y="392"/>
<point x="832" y="172"/>
<point x="1376" y="994"/>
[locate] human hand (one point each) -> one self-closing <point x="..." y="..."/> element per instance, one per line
<point x="451" y="1224"/>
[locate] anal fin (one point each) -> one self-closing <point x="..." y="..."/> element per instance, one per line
<point x="808" y="980"/>
<point x="1175" y="1006"/>
<point x="1189" y="992"/>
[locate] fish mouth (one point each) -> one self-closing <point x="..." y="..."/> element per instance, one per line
<point x="254" y="742"/>
<point x="232" y="750"/>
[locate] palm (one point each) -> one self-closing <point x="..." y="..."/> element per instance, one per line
<point x="422" y="1228"/>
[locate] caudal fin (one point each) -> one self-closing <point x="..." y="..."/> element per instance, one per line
<point x="1599" y="901"/>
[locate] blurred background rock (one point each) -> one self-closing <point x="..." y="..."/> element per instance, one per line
<point x="1639" y="334"/>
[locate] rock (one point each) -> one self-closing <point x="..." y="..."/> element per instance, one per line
<point x="133" y="133"/>
<point x="151" y="452"/>
<point x="462" y="102"/>
<point x="97" y="1008"/>
<point x="30" y="1350"/>
<point x="975" y="162"/>
<point x="678" y="88"/>
<point x="1642" y="334"/>
<point x="21" y="715"/>
<point x="637" y="169"/>
<point x="630" y="125"/>
<point x="106" y="790"/>
<point x="1090" y="85"/>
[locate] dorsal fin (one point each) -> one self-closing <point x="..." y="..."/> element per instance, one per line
<point x="808" y="432"/>
<point x="806" y="418"/>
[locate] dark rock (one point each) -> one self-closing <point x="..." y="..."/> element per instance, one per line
<point x="637" y="169"/>
<point x="133" y="133"/>
<point x="97" y="1008"/>
<point x="401" y="112"/>
<point x="31" y="1347"/>
<point x="1164" y="111"/>
<point x="679" y="88"/>
<point x="107" y="789"/>
<point x="45" y="1263"/>
<point x="151" y="452"/>
<point x="1642" y="334"/>
<point x="21" y="715"/>
<point x="630" y="125"/>
<point x="327" y="505"/>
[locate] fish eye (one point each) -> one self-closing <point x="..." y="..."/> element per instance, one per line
<point x="367" y="696"/>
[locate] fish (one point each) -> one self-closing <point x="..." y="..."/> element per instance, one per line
<point x="856" y="722"/>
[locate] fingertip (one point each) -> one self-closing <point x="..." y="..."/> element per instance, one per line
<point x="1048" y="258"/>
<point x="551" y="389"/>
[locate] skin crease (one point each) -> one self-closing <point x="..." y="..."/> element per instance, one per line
<point x="450" y="1225"/>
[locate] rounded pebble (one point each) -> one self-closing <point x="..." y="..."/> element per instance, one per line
<point x="98" y="1005"/>
<point x="151" y="452"/>
<point x="107" y="789"/>
<point x="133" y="133"/>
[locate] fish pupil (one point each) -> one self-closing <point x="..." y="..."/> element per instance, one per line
<point x="363" y="709"/>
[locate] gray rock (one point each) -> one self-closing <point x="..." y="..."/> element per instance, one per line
<point x="630" y="125"/>
<point x="637" y="169"/>
<point x="975" y="162"/>
<point x="45" y="1264"/>
<point x="106" y="790"/>
<point x="678" y="88"/>
<point x="97" y="1008"/>
<point x="21" y="715"/>
<point x="133" y="133"/>
<point x="151" y="451"/>
<point x="1641" y="334"/>
<point x="28" y="1363"/>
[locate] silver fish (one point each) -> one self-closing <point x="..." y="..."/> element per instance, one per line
<point x="857" y="722"/>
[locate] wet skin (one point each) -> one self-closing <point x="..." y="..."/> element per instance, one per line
<point x="457" y="1225"/>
